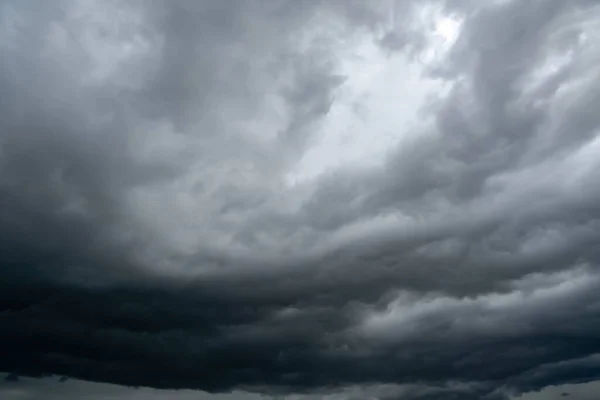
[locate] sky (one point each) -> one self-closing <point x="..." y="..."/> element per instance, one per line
<point x="299" y="199"/>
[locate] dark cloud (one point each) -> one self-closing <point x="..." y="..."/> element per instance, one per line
<point x="11" y="378"/>
<point x="150" y="237"/>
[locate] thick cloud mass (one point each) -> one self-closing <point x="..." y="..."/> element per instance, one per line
<point x="172" y="214"/>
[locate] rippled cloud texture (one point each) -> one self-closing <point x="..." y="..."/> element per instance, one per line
<point x="307" y="198"/>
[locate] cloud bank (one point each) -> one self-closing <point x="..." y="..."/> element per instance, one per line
<point x="390" y="199"/>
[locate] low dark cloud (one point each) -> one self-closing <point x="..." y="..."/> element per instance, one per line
<point x="151" y="235"/>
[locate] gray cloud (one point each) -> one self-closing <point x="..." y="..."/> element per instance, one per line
<point x="150" y="235"/>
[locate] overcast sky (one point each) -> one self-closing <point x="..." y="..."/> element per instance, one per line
<point x="299" y="199"/>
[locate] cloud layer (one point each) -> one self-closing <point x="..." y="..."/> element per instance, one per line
<point x="396" y="198"/>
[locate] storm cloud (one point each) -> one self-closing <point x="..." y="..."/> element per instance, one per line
<point x="345" y="199"/>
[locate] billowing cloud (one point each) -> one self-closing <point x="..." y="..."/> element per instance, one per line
<point x="396" y="200"/>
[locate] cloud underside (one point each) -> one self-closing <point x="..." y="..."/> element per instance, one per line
<point x="151" y="235"/>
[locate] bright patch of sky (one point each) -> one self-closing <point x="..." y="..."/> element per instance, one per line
<point x="378" y="104"/>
